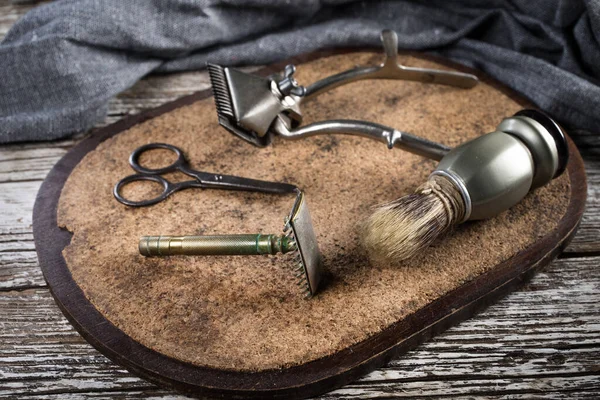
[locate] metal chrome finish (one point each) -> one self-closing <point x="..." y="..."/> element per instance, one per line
<point x="248" y="104"/>
<point x="495" y="171"/>
<point x="462" y="188"/>
<point x="555" y="131"/>
<point x="539" y="141"/>
<point x="205" y="180"/>
<point x="257" y="101"/>
<point x="256" y="108"/>
<point x="392" y="69"/>
<point x="391" y="137"/>
<point x="298" y="237"/>
<point x="299" y="226"/>
<point x="288" y="85"/>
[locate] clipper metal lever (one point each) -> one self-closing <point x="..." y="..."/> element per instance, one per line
<point x="256" y="108"/>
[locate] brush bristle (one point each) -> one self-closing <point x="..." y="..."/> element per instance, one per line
<point x="400" y="229"/>
<point x="220" y="89"/>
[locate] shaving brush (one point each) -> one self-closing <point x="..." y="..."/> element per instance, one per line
<point x="476" y="180"/>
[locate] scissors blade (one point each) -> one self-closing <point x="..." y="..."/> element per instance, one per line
<point x="229" y="182"/>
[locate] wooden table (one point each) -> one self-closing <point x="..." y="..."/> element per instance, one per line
<point x="541" y="341"/>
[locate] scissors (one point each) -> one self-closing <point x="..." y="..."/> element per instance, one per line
<point x="204" y="180"/>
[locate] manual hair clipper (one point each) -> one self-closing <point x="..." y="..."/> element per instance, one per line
<point x="257" y="108"/>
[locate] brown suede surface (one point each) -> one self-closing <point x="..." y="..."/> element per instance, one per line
<point x="245" y="313"/>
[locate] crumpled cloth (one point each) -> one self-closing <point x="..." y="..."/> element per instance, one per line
<point x="62" y="62"/>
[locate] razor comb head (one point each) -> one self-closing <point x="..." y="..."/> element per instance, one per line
<point x="238" y="101"/>
<point x="308" y="266"/>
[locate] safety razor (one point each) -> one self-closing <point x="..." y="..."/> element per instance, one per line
<point x="298" y="238"/>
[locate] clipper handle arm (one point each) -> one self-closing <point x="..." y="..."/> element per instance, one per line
<point x="392" y="69"/>
<point x="390" y="136"/>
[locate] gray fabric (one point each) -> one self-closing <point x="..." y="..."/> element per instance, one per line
<point x="63" y="61"/>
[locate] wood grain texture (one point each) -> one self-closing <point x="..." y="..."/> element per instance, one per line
<point x="542" y="341"/>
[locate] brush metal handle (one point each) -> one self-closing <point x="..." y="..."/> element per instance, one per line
<point x="217" y="245"/>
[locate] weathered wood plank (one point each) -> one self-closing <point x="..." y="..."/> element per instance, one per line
<point x="16" y="243"/>
<point x="16" y="203"/>
<point x="544" y="338"/>
<point x="588" y="235"/>
<point x="155" y="394"/>
<point x="471" y="387"/>
<point x="26" y="169"/>
<point x="19" y="263"/>
<point x="20" y="270"/>
<point x="43" y="354"/>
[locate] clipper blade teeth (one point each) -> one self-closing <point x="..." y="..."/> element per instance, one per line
<point x="220" y="90"/>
